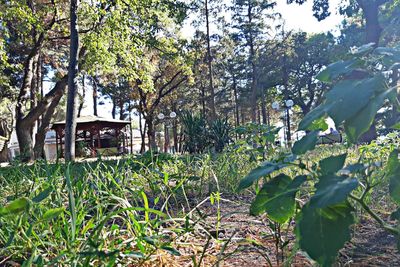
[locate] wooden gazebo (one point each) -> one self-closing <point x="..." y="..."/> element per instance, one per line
<point x="93" y="130"/>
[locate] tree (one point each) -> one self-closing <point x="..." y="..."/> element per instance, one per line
<point x="39" y="30"/>
<point x="308" y="56"/>
<point x="210" y="14"/>
<point x="249" y="23"/>
<point x="370" y="10"/>
<point x="170" y="74"/>
<point x="70" y="121"/>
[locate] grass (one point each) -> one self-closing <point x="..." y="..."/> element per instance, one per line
<point x="133" y="211"/>
<point x="123" y="211"/>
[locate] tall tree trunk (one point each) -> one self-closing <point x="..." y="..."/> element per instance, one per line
<point x="253" y="100"/>
<point x="121" y="110"/>
<point x="24" y="129"/>
<point x="114" y="108"/>
<point x="263" y="108"/>
<point x="209" y="62"/>
<point x="373" y="29"/>
<point x="94" y="97"/>
<point x="43" y="128"/>
<point x="151" y="133"/>
<point x="5" y="131"/>
<point x="83" y="96"/>
<point x="235" y="96"/>
<point x="70" y="122"/>
<point x="373" y="32"/>
<point x="203" y="101"/>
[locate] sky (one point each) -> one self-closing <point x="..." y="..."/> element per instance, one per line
<point x="296" y="18"/>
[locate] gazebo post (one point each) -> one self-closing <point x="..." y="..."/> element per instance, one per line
<point x="98" y="137"/>
<point x="61" y="146"/>
<point x="123" y="142"/>
<point x="57" y="144"/>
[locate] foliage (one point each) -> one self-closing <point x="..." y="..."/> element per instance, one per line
<point x="200" y="135"/>
<point x="323" y="222"/>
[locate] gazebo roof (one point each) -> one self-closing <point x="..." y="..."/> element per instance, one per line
<point x="92" y="119"/>
<point x="91" y="123"/>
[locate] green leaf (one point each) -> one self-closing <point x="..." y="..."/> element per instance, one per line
<point x="257" y="173"/>
<point x="43" y="195"/>
<point x="171" y="250"/>
<point x="332" y="189"/>
<point x="337" y="69"/>
<point x="17" y="206"/>
<point x="52" y="214"/>
<point x="332" y="164"/>
<point x="393" y="173"/>
<point x="306" y="143"/>
<point x="364" y="49"/>
<point x="312" y="121"/>
<point x="396" y="126"/>
<point x="395" y="215"/>
<point x="323" y="232"/>
<point x="357" y="167"/>
<point x="362" y="121"/>
<point x="351" y="96"/>
<point x="277" y="198"/>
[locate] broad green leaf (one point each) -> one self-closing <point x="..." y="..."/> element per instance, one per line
<point x="43" y="195"/>
<point x="323" y="232"/>
<point x="17" y="206"/>
<point x="395" y="215"/>
<point x="306" y="143"/>
<point x="337" y="69"/>
<point x="393" y="173"/>
<point x="332" y="189"/>
<point x="362" y="121"/>
<point x="364" y="49"/>
<point x="312" y="121"/>
<point x="277" y="198"/>
<point x="353" y="168"/>
<point x="52" y="214"/>
<point x="351" y="96"/>
<point x="332" y="164"/>
<point x="396" y="126"/>
<point x="257" y="173"/>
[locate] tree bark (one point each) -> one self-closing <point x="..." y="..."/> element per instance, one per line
<point x="114" y="108"/>
<point x="44" y="125"/>
<point x="83" y="96"/>
<point x="254" y="105"/>
<point x="70" y="122"/>
<point x="209" y="62"/>
<point x="151" y="133"/>
<point x="94" y="97"/>
<point x="373" y="32"/>
<point x="235" y="96"/>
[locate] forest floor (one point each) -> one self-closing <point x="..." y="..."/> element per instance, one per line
<point x="251" y="243"/>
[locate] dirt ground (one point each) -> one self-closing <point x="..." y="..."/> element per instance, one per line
<point x="251" y="243"/>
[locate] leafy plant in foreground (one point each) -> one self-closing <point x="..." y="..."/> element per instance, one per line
<point x="360" y="88"/>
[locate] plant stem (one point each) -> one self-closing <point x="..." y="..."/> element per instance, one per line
<point x="378" y="219"/>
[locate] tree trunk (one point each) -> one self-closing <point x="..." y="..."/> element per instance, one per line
<point x="235" y="95"/>
<point x="70" y="122"/>
<point x="83" y="96"/>
<point x="94" y="97"/>
<point x="151" y="133"/>
<point x="209" y="62"/>
<point x="373" y="32"/>
<point x="253" y="100"/>
<point x="121" y="110"/>
<point x="114" y="108"/>
<point x="44" y="125"/>
<point x="264" y="108"/>
<point x="4" y="153"/>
